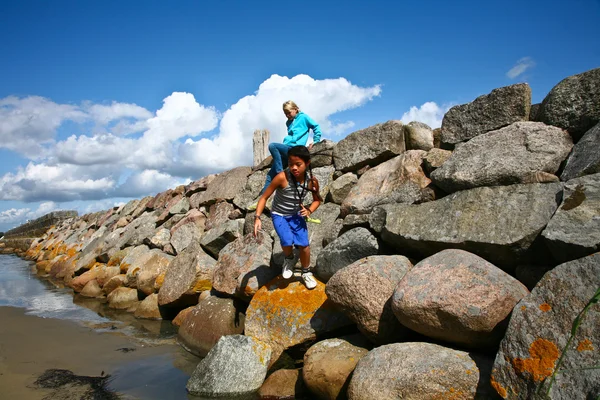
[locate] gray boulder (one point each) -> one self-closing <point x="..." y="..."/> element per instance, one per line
<point x="209" y="321"/>
<point x="244" y="266"/>
<point x="353" y="245"/>
<point x="418" y="371"/>
<point x="129" y="208"/>
<point x="187" y="276"/>
<point x="185" y="235"/>
<point x="328" y="367"/>
<point x="253" y="186"/>
<point x="236" y="366"/>
<point x="325" y="177"/>
<point x="321" y="154"/>
<point x="267" y="223"/>
<point x="225" y="186"/>
<point x="218" y="214"/>
<point x="499" y="223"/>
<point x="574" y="230"/>
<point x="363" y="291"/>
<point x="161" y="238"/>
<point x="340" y="188"/>
<point x="457" y="297"/>
<point x="369" y="146"/>
<point x="418" y="136"/>
<point x="585" y="157"/>
<point x="573" y="103"/>
<point x="123" y="298"/>
<point x="501" y="107"/>
<point x="540" y="334"/>
<point x="199" y="185"/>
<point x="181" y="207"/>
<point x="217" y="238"/>
<point x="514" y="154"/>
<point x="435" y="158"/>
<point x="399" y="180"/>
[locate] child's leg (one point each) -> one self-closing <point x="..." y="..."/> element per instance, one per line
<point x="304" y="256"/>
<point x="286" y="238"/>
<point x="287" y="250"/>
<point x="279" y="152"/>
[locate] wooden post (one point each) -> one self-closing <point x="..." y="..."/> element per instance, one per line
<point x="260" y="145"/>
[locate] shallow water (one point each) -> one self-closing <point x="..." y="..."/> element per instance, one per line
<point x="159" y="368"/>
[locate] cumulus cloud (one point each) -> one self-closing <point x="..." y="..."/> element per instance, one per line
<point x="182" y="140"/>
<point x="18" y="216"/>
<point x="429" y="113"/>
<point x="520" y="67"/>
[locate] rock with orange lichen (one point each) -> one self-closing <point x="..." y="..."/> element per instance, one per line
<point x="148" y="308"/>
<point x="284" y="313"/>
<point x="79" y="282"/>
<point x="538" y="332"/>
<point x="181" y="316"/>
<point x="188" y="274"/>
<point x="244" y="266"/>
<point x="151" y="269"/>
<point x="236" y="366"/>
<point x="123" y="299"/>
<point x="457" y="297"/>
<point x="419" y="371"/>
<point x="114" y="283"/>
<point x="92" y="289"/>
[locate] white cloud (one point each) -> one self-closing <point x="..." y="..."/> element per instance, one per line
<point x="148" y="182"/>
<point x="182" y="140"/>
<point x="13" y="215"/>
<point x="27" y="123"/>
<point x="520" y="67"/>
<point x="429" y="113"/>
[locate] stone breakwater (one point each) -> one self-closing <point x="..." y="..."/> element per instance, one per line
<point x="452" y="263"/>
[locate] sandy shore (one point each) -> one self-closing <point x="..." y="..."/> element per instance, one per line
<point x="31" y="345"/>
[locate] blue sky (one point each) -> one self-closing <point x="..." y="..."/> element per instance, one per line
<point x="101" y="101"/>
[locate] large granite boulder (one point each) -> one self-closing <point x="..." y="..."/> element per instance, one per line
<point x="585" y="157"/>
<point x="418" y="136"/>
<point x="499" y="224"/>
<point x="123" y="298"/>
<point x="206" y="323"/>
<point x="148" y="308"/>
<point x="236" y="366"/>
<point x="188" y="274"/>
<point x="284" y="313"/>
<point x="551" y="345"/>
<point x="369" y="146"/>
<point x="283" y="384"/>
<point x="500" y="108"/>
<point x="325" y="177"/>
<point x="218" y="214"/>
<point x="225" y="186"/>
<point x="573" y="103"/>
<point x="220" y="236"/>
<point x="399" y="180"/>
<point x="574" y="230"/>
<point x="154" y="266"/>
<point x="514" y="154"/>
<point x="351" y="246"/>
<point x="321" y="154"/>
<point x="363" y="291"/>
<point x="418" y="371"/>
<point x="244" y="266"/>
<point x="328" y="367"/>
<point x="340" y="188"/>
<point x="251" y="189"/>
<point x="457" y="297"/>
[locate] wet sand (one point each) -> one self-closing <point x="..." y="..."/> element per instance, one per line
<point x="30" y="345"/>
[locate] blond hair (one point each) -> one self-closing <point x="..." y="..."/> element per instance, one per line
<point x="290" y="105"/>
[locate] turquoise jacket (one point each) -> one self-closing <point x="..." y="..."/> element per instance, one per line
<point x="298" y="130"/>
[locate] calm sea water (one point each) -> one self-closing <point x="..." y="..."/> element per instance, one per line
<point x="159" y="377"/>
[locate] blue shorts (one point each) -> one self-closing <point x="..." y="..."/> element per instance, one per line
<point x="291" y="229"/>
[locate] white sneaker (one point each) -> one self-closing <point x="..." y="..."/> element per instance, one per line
<point x="309" y="280"/>
<point x="288" y="268"/>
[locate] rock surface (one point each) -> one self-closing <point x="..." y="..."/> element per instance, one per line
<point x="353" y="245"/>
<point x="363" y="291"/>
<point x="417" y="371"/>
<point x="148" y="308"/>
<point x="538" y="332"/>
<point x="283" y="384"/>
<point x="585" y="157"/>
<point x="217" y="238"/>
<point x="399" y="180"/>
<point x="510" y="155"/>
<point x="328" y="366"/>
<point x="206" y="323"/>
<point x="573" y="103"/>
<point x="236" y="366"/>
<point x="418" y="136"/>
<point x="501" y="107"/>
<point x="498" y="224"/>
<point x="321" y="154"/>
<point x="123" y="298"/>
<point x="574" y="230"/>
<point x="369" y="146"/>
<point x="457" y="297"/>
<point x="244" y="266"/>
<point x="225" y="186"/>
<point x="340" y="187"/>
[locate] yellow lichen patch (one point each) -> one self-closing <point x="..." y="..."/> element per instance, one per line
<point x="523" y="308"/>
<point x="545" y="307"/>
<point x="540" y="364"/>
<point x="202" y="285"/>
<point x="124" y="267"/>
<point x="498" y="388"/>
<point x="160" y="279"/>
<point x="585" y="345"/>
<point x="71" y="251"/>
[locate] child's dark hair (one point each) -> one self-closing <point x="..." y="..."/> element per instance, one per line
<point x="303" y="153"/>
